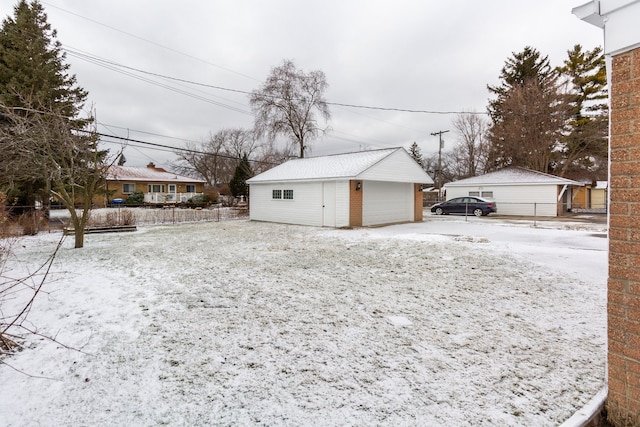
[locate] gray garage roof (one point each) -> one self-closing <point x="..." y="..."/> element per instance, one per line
<point x="513" y="176"/>
<point x="344" y="166"/>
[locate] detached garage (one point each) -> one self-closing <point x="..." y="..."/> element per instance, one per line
<point x="356" y="189"/>
<point x="518" y="191"/>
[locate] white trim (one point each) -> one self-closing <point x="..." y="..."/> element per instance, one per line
<point x="586" y="414"/>
<point x="564" y="188"/>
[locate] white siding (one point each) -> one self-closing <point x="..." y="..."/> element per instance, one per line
<point x="304" y="209"/>
<point x="342" y="204"/>
<point x="526" y="200"/>
<point x="386" y="202"/>
<point x="397" y="167"/>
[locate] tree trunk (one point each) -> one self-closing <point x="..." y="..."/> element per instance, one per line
<point x="79" y="236"/>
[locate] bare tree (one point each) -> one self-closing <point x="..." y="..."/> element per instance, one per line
<point x="469" y="157"/>
<point x="287" y="102"/>
<point x="238" y="142"/>
<point x="216" y="159"/>
<point x="269" y="155"/>
<point x="14" y="323"/>
<point x="41" y="145"/>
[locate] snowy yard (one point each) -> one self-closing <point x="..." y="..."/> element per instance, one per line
<point x="444" y="322"/>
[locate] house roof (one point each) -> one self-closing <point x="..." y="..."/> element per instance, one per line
<point x="149" y="173"/>
<point x="337" y="166"/>
<point x="513" y="176"/>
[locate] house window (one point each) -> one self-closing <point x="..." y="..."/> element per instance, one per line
<point x="287" y="194"/>
<point x="474" y="193"/>
<point x="276" y="194"/>
<point x="488" y="194"/>
<point x="156" y="188"/>
<point x="128" y="188"/>
<point x="191" y="188"/>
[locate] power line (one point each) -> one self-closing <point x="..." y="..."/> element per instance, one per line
<point x="167" y="148"/>
<point x="149" y="41"/>
<point x="110" y="64"/>
<point x="115" y="67"/>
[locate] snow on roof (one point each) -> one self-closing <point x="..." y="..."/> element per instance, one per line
<point x="602" y="185"/>
<point x="147" y="174"/>
<point x="348" y="165"/>
<point x="513" y="175"/>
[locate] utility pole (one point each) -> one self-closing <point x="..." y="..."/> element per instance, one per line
<point x="439" y="171"/>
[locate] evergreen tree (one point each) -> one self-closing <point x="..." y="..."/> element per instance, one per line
<point x="32" y="68"/>
<point x="238" y="184"/>
<point x="523" y="67"/>
<point x="33" y="78"/>
<point x="414" y="151"/>
<point x="584" y="145"/>
<point x="46" y="148"/>
<point x="528" y="114"/>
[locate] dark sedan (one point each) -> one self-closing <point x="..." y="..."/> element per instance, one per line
<point x="465" y="205"/>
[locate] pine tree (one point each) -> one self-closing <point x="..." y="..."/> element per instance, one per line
<point x="414" y="151"/>
<point x="33" y="78"/>
<point x="584" y="145"/>
<point x="238" y="184"/>
<point x="527" y="115"/>
<point x="46" y="148"/>
<point x="522" y="67"/>
<point x="32" y="68"/>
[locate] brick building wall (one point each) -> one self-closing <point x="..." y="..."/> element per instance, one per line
<point x="355" y="204"/>
<point x="417" y="203"/>
<point x="623" y="403"/>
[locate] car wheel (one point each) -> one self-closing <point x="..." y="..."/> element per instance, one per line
<point x="439" y="211"/>
<point x="478" y="212"/>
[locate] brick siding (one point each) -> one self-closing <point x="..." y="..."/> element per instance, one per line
<point x="623" y="403"/>
<point x="355" y="204"/>
<point x="417" y="203"/>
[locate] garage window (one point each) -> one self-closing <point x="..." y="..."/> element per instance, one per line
<point x="276" y="194"/>
<point x="488" y="194"/>
<point x="474" y="193"/>
<point x="288" y="194"/>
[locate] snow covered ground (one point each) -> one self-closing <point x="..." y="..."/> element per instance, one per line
<point x="444" y="322"/>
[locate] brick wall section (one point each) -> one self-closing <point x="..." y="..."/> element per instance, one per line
<point x="355" y="204"/>
<point x="623" y="403"/>
<point x="417" y="203"/>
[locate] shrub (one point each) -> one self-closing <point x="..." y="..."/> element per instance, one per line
<point x="135" y="199"/>
<point x="199" y="201"/>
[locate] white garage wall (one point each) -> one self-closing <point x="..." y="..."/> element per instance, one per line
<point x="306" y="206"/>
<point x="526" y="200"/>
<point x="386" y="202"/>
<point x="304" y="209"/>
<point x="342" y="204"/>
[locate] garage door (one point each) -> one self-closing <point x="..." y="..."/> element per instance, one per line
<point x="386" y="202"/>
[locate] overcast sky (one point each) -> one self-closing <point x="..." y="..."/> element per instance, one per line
<point x="429" y="55"/>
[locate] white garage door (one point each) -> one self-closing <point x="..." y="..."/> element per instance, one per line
<point x="386" y="202"/>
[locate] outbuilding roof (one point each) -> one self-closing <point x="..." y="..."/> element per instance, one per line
<point x="342" y="166"/>
<point x="513" y="176"/>
<point x="150" y="173"/>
